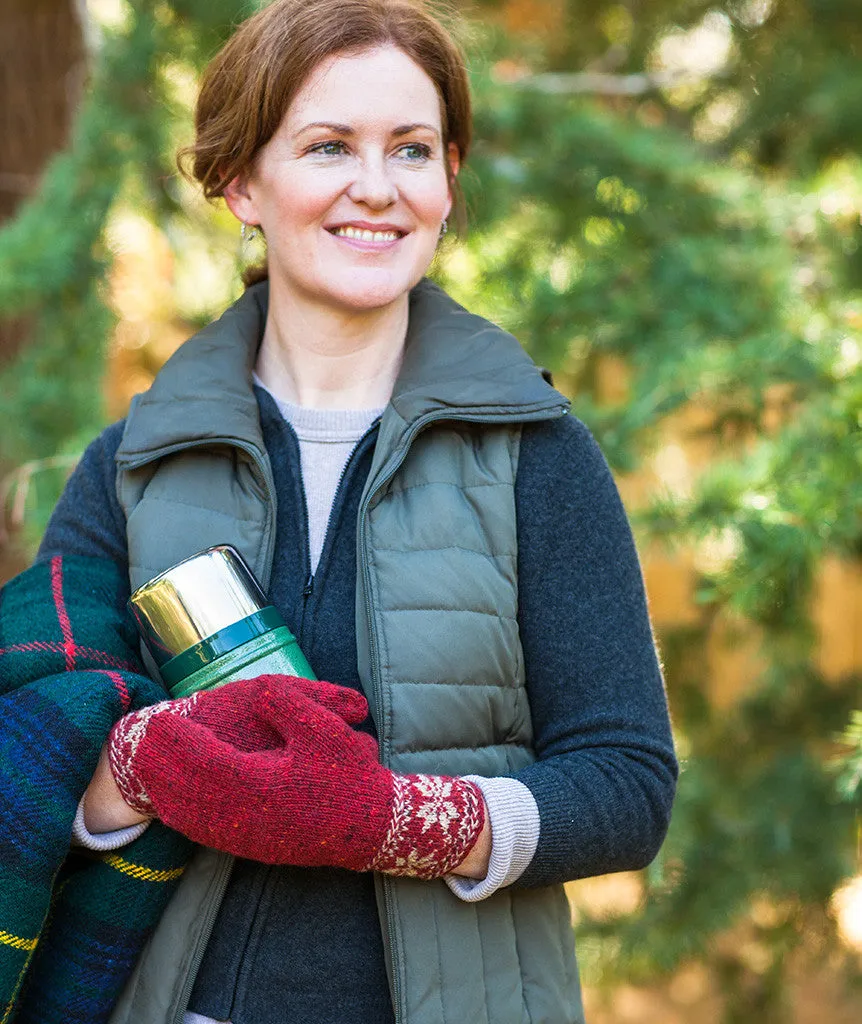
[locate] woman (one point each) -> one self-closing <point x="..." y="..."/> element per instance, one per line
<point x="437" y="532"/>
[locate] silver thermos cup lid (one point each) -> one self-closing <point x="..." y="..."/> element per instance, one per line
<point x="194" y="600"/>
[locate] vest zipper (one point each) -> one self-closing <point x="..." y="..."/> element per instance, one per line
<point x="211" y="909"/>
<point x="416" y="427"/>
<point x="308" y="589"/>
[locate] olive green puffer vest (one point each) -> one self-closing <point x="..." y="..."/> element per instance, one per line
<point x="436" y="614"/>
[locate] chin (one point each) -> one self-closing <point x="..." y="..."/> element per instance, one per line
<point x="373" y="290"/>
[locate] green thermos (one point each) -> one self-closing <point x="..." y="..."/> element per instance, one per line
<point x="206" y="622"/>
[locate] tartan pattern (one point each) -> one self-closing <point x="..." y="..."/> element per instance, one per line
<point x="71" y="924"/>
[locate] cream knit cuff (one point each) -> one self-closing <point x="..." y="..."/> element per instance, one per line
<point x="102" y="841"/>
<point x="514" y="818"/>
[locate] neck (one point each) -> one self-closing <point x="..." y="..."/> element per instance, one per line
<point x="327" y="359"/>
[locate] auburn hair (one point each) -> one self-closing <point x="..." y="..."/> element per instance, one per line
<point x="250" y="83"/>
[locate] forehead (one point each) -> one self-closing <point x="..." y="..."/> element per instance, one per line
<point x="379" y="85"/>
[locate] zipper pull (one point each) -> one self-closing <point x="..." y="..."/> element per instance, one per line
<point x="309" y="586"/>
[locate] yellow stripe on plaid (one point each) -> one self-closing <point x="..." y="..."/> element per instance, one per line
<point x="16" y="942"/>
<point x="140" y="872"/>
<point x="27" y="946"/>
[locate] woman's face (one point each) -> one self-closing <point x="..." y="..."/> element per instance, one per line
<point x="352" y="189"/>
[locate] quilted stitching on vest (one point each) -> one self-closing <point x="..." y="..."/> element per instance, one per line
<point x="442" y="558"/>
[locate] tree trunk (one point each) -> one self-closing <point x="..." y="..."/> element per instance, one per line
<point x="42" y="70"/>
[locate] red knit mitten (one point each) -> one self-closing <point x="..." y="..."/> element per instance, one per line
<point x="317" y="795"/>
<point x="230" y="717"/>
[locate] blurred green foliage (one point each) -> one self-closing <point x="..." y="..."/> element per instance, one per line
<point x="675" y="185"/>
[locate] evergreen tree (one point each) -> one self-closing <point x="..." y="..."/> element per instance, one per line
<point x="673" y="188"/>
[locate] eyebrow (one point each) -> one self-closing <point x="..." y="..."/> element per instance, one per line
<point x="345" y="129"/>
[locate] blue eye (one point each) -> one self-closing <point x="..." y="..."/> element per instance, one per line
<point x="331" y="148"/>
<point x="416" y="151"/>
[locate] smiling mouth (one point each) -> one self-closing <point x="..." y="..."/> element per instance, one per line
<point x="365" y="235"/>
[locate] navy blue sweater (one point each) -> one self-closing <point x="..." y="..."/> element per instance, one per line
<point x="293" y="944"/>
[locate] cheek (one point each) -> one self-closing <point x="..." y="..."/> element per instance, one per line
<point x="301" y="200"/>
<point x="430" y="199"/>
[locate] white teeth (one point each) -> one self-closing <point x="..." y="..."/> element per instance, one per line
<point x="364" y="235"/>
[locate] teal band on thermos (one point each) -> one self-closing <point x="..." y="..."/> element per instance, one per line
<point x="272" y="653"/>
<point x="220" y="643"/>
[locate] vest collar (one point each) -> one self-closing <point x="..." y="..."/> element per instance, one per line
<point x="456" y="360"/>
<point x="455" y="365"/>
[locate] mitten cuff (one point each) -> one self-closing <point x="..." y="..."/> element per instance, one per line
<point x="435" y="822"/>
<point x="127" y="752"/>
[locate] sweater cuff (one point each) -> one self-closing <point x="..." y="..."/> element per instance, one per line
<point x="514" y="817"/>
<point x="103" y="841"/>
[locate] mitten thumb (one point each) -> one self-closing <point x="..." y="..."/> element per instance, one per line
<point x="343" y="701"/>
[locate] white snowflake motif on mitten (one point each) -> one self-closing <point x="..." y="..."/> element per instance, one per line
<point x="413" y="845"/>
<point x="438" y="808"/>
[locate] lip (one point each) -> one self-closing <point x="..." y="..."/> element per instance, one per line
<point x="367" y="245"/>
<point x="366" y="225"/>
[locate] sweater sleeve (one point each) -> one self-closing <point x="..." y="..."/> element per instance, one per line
<point x="87" y="519"/>
<point x="605" y="773"/>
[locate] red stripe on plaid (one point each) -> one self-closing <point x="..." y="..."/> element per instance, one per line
<point x="62" y="614"/>
<point x="120" y="684"/>
<point x="87" y="653"/>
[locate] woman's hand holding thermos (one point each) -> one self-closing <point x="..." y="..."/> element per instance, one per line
<point x="272" y="769"/>
<point x="154" y="753"/>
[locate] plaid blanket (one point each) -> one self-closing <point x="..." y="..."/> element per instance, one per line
<point x="71" y="923"/>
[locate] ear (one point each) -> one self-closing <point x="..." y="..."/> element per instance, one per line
<point x="453" y="155"/>
<point x="239" y="200"/>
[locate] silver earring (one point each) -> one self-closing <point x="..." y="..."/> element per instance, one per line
<point x="444" y="227"/>
<point x="248" y="232"/>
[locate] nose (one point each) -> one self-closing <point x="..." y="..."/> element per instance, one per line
<point x="373" y="185"/>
